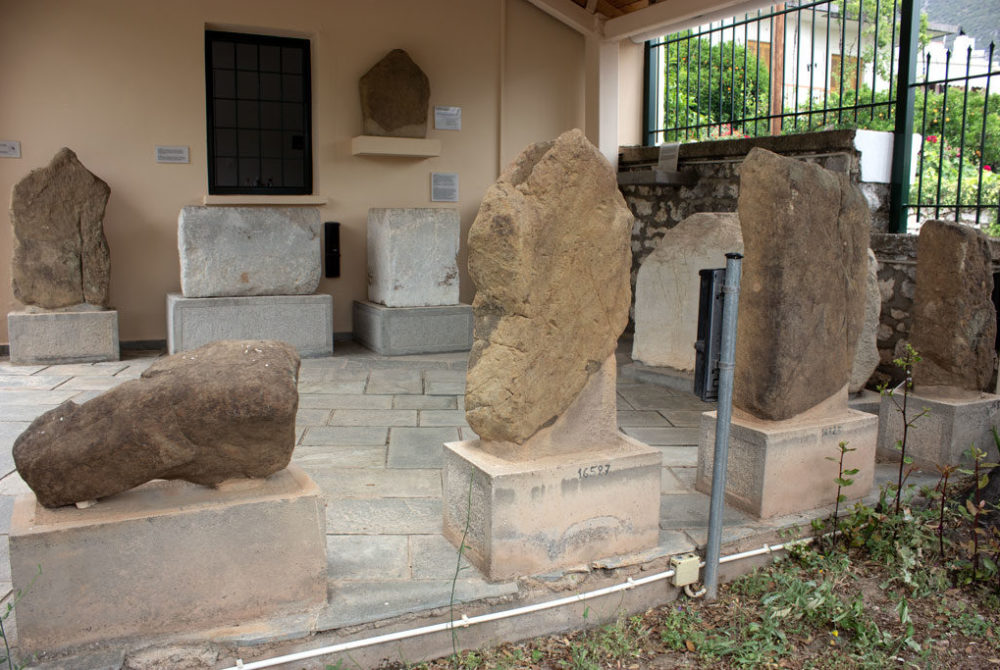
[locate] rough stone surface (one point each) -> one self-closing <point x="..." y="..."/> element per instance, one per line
<point x="954" y="320"/>
<point x="241" y="251"/>
<point x="226" y="410"/>
<point x="412" y="256"/>
<point x="668" y="286"/>
<point x="394" y="97"/>
<point x="549" y="255"/>
<point x="866" y="355"/>
<point x="63" y="336"/>
<point x="802" y="299"/>
<point x="61" y="256"/>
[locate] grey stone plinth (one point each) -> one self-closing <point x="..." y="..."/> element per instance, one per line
<point x="86" y="336"/>
<point x="238" y="251"/>
<point x="412" y="256"/>
<point x="955" y="420"/>
<point x="396" y="331"/>
<point x="781" y="467"/>
<point x="534" y="516"/>
<point x="303" y="321"/>
<point x="168" y="557"/>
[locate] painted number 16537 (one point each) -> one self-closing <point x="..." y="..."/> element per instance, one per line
<point x="594" y="471"/>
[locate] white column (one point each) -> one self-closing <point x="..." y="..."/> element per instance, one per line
<point x="601" y="97"/>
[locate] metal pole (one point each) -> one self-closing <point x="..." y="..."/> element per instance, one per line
<point x="899" y="187"/>
<point x="730" y="308"/>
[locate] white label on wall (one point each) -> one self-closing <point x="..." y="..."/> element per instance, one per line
<point x="668" y="157"/>
<point x="172" y="155"/>
<point x="444" y="187"/>
<point x="448" y="118"/>
<point x="10" y="149"/>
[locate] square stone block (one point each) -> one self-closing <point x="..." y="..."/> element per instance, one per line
<point x="781" y="467"/>
<point x="303" y="321"/>
<point x="168" y="557"/>
<point x="397" y="331"/>
<point x="955" y="420"/>
<point x="86" y="336"/>
<point x="535" y="516"/>
<point x="412" y="256"/>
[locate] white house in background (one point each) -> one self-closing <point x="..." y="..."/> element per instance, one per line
<point x="964" y="57"/>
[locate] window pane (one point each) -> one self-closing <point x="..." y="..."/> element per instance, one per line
<point x="249" y="172"/>
<point x="292" y="87"/>
<point x="247" y="112"/>
<point x="222" y="54"/>
<point x="225" y="143"/>
<point x="270" y="115"/>
<point x="247" y="85"/>
<point x="224" y="82"/>
<point x="270" y="173"/>
<point x="293" y="173"/>
<point x="246" y="56"/>
<point x="294" y="143"/>
<point x="249" y="144"/>
<point x="225" y="172"/>
<point x="291" y="60"/>
<point x="225" y="113"/>
<point x="270" y="58"/>
<point x="291" y="116"/>
<point x="270" y="144"/>
<point x="270" y="87"/>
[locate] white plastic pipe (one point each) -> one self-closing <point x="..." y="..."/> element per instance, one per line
<point x="467" y="621"/>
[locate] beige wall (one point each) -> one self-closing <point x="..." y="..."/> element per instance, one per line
<point x="113" y="78"/>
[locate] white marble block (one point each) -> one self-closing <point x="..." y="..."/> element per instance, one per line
<point x="65" y="336"/>
<point x="667" y="287"/>
<point x="412" y="256"/>
<point x="242" y="251"/>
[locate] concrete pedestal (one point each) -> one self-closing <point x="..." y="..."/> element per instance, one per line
<point x="86" y="336"/>
<point x="167" y="557"/>
<point x="303" y="321"/>
<point x="956" y="419"/>
<point x="781" y="467"/>
<point x="397" y="331"/>
<point x="531" y="517"/>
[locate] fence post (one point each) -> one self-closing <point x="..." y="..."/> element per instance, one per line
<point x="899" y="187"/>
<point x="649" y="101"/>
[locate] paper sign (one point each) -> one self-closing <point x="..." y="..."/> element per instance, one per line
<point x="172" y="155"/>
<point x="448" y="118"/>
<point x="668" y="157"/>
<point x="10" y="149"/>
<point x="444" y="187"/>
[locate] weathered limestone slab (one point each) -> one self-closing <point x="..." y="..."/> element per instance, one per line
<point x="61" y="256"/>
<point x="866" y="356"/>
<point x="667" y="287"/>
<point x="238" y="251"/>
<point x="222" y="411"/>
<point x="412" y="256"/>
<point x="168" y="557"/>
<point x="781" y="467"/>
<point x="549" y="254"/>
<point x="398" y="331"/>
<point x="394" y="97"/>
<point x="303" y="321"/>
<point x="802" y="299"/>
<point x="954" y="320"/>
<point x="956" y="420"/>
<point x="67" y="336"/>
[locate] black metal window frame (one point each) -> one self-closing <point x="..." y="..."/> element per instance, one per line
<point x="293" y="159"/>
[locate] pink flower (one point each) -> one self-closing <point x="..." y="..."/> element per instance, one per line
<point x="931" y="138"/>
<point x="988" y="168"/>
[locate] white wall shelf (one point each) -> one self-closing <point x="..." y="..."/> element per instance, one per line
<point x="411" y="147"/>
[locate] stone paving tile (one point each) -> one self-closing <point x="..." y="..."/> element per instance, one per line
<point x="647" y="396"/>
<point x="629" y="418"/>
<point x="33" y="397"/>
<point x="390" y="516"/>
<point x="657" y="436"/>
<point x="360" y="435"/>
<point x="371" y="456"/>
<point x="686" y="475"/>
<point x="685" y="457"/>
<point x="444" y="382"/>
<point x="13" y="485"/>
<point x="93" y="383"/>
<point x="730" y="533"/>
<point x="374" y="417"/>
<point x="44" y="382"/>
<point x="468" y="433"/>
<point x="343" y="401"/>
<point x="433" y="557"/>
<point x="690" y="510"/>
<point x="669" y="483"/>
<point x="6" y="509"/>
<point x="108" y="369"/>
<point x="418" y="447"/>
<point x="444" y="417"/>
<point x="332" y="386"/>
<point x="683" y="418"/>
<point x="23" y="412"/>
<point x="312" y="417"/>
<point x="376" y="482"/>
<point x="7" y="368"/>
<point x="395" y="382"/>
<point x="623" y="403"/>
<point x="425" y="402"/>
<point x="83" y="396"/>
<point x="367" y="557"/>
<point x="9" y="431"/>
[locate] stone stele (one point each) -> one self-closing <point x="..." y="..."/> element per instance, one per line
<point x="668" y="286"/>
<point x="954" y="320"/>
<point x="223" y="411"/>
<point x="248" y="251"/>
<point x="412" y="256"/>
<point x="394" y="97"/>
<point x="549" y="255"/>
<point x="802" y="298"/>
<point x="61" y="256"/>
<point x="866" y="356"/>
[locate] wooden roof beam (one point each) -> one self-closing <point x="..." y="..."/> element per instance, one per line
<point x="672" y="15"/>
<point x="571" y="14"/>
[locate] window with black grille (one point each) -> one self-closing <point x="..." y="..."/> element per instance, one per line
<point x="259" y="121"/>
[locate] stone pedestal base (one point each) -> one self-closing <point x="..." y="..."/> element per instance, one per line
<point x="955" y="420"/>
<point x="781" y="467"/>
<point x="531" y="517"/>
<point x="63" y="337"/>
<point x="303" y="321"/>
<point x="397" y="331"/>
<point x="167" y="557"/>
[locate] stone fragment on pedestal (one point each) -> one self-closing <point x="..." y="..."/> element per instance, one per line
<point x="412" y="256"/>
<point x="401" y="331"/>
<point x="394" y="97"/>
<point x="51" y="337"/>
<point x="668" y="285"/>
<point x="866" y="356"/>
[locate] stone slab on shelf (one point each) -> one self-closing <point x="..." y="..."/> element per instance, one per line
<point x="398" y="331"/>
<point x="304" y="321"/>
<point x="403" y="147"/>
<point x="49" y="338"/>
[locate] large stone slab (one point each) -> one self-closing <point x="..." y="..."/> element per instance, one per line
<point x="222" y="411"/>
<point x="399" y="331"/>
<point x="394" y="97"/>
<point x="550" y="257"/>
<point x="412" y="256"/>
<point x="303" y="321"/>
<point x="239" y="251"/>
<point x="61" y="256"/>
<point x="65" y="336"/>
<point x="168" y="558"/>
<point x="802" y="299"/>
<point x="667" y="287"/>
<point x="866" y="356"/>
<point x="954" y="320"/>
